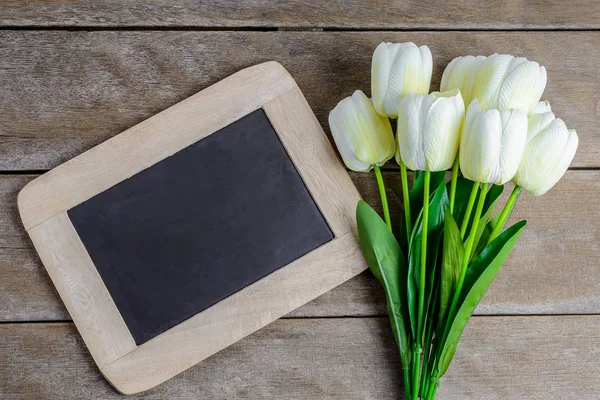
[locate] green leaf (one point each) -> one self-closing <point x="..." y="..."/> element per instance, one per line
<point x="432" y="284"/>
<point x="416" y="204"/>
<point x="386" y="261"/>
<point x="452" y="259"/>
<point x="463" y="190"/>
<point x="490" y="201"/>
<point x="485" y="235"/>
<point x="416" y="193"/>
<point x="477" y="280"/>
<point x="437" y="205"/>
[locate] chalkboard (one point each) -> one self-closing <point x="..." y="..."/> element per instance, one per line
<point x="194" y="228"/>
<point x="200" y="225"/>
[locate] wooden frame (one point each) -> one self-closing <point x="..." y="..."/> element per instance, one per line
<point x="44" y="201"/>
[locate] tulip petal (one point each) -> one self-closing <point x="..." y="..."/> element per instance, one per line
<point x="374" y="140"/>
<point x="522" y="86"/>
<point x="380" y="74"/>
<point x="362" y="136"/>
<point x="398" y="69"/>
<point x="537" y="122"/>
<point x="512" y="144"/>
<point x="541" y="107"/>
<point x="489" y="78"/>
<point x="461" y="74"/>
<point x="426" y="70"/>
<point x="480" y="143"/>
<point x="442" y="130"/>
<point x="547" y="156"/>
<point x="411" y="121"/>
<point x="345" y="145"/>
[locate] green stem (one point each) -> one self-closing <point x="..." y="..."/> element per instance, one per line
<point x="453" y="183"/>
<point x="432" y="389"/>
<point x="406" y="197"/>
<point x="384" y="202"/>
<point x="510" y="204"/>
<point x="423" y="270"/>
<point x="465" y="264"/>
<point x="467" y="217"/>
<point x="415" y="361"/>
<point x="406" y="374"/>
<point x="424" y="376"/>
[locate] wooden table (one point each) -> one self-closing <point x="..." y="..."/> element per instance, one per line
<point x="74" y="73"/>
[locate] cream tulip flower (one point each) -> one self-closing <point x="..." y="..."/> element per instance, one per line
<point x="499" y="81"/>
<point x="429" y="130"/>
<point x="461" y="74"/>
<point x="506" y="82"/>
<point x="363" y="137"/>
<point x="396" y="70"/>
<point x="492" y="144"/>
<point x="549" y="150"/>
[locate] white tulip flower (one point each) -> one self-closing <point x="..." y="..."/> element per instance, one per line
<point x="429" y="130"/>
<point x="492" y="143"/>
<point x="549" y="150"/>
<point x="499" y="81"/>
<point x="506" y="82"/>
<point x="398" y="69"/>
<point x="363" y="137"/>
<point x="461" y="74"/>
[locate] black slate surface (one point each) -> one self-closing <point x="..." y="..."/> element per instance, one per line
<point x="199" y="226"/>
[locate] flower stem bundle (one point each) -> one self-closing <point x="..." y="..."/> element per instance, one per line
<point x="486" y="127"/>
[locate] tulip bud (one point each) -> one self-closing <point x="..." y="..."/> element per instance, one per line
<point x="492" y="143"/>
<point x="549" y="150"/>
<point x="429" y="130"/>
<point x="506" y="82"/>
<point x="499" y="81"/>
<point x="362" y="136"/>
<point x="461" y="74"/>
<point x="398" y="69"/>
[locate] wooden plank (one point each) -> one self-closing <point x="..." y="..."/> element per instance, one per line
<point x="388" y="14"/>
<point x="553" y="269"/>
<point x="312" y="154"/>
<point x="66" y="91"/>
<point x="82" y="289"/>
<point x="498" y="358"/>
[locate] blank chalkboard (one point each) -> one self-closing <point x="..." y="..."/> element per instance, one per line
<point x="194" y="228"/>
<point x="200" y="225"/>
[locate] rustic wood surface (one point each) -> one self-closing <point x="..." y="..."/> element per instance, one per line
<point x="534" y="279"/>
<point x="348" y="14"/>
<point x="64" y="92"/>
<point x="341" y="358"/>
<point x="74" y="73"/>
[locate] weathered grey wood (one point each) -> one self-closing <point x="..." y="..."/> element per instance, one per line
<point x="388" y="14"/>
<point x="553" y="268"/>
<point x="498" y="358"/>
<point x="64" y="91"/>
<point x="13" y="234"/>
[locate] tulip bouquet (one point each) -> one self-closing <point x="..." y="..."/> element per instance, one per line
<point x="488" y="127"/>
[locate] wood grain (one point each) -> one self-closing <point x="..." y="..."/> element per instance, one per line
<point x="66" y="91"/>
<point x="553" y="269"/>
<point x="315" y="159"/>
<point x="380" y="14"/>
<point x="498" y="358"/>
<point x="82" y="290"/>
<point x="153" y="140"/>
